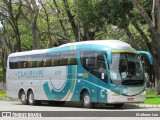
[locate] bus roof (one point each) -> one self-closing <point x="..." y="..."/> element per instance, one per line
<point x="28" y="52"/>
<point x="109" y="43"/>
<point x="102" y="45"/>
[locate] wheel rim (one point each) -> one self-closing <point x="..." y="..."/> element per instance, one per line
<point x="23" y="97"/>
<point x="31" y="98"/>
<point x="86" y="99"/>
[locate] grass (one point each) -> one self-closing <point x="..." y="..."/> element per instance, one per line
<point x="3" y="94"/>
<point x="152" y="97"/>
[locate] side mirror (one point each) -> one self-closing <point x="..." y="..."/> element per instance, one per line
<point x="149" y="56"/>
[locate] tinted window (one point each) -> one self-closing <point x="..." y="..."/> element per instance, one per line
<point x="68" y="58"/>
<point x="34" y="61"/>
<point x="51" y="59"/>
<point x="13" y="62"/>
<point x="22" y="61"/>
<point x="94" y="63"/>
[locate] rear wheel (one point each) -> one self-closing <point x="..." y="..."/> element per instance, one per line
<point x="23" y="98"/>
<point x="31" y="100"/>
<point x="86" y="100"/>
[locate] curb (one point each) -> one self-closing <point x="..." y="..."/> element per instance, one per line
<point x="147" y="105"/>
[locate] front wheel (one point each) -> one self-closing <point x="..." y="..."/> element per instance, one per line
<point x="86" y="100"/>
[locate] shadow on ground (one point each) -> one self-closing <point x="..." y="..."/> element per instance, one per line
<point x="97" y="106"/>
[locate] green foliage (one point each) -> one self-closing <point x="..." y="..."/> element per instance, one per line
<point x="88" y="13"/>
<point x="1" y="73"/>
<point x="115" y="11"/>
<point x="138" y="39"/>
<point x="106" y="19"/>
<point x="152" y="98"/>
<point x="3" y="94"/>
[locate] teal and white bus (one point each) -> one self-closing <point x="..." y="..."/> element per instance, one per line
<point x="100" y="71"/>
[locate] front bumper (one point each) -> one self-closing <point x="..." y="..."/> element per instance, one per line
<point x="113" y="97"/>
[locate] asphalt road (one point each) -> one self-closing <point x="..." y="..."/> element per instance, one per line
<point x="74" y="109"/>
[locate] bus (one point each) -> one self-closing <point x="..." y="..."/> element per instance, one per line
<point x="89" y="72"/>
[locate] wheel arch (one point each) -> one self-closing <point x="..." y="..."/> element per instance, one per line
<point x="82" y="91"/>
<point x="29" y="90"/>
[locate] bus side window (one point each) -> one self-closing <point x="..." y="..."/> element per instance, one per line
<point x="22" y="62"/>
<point x="51" y="59"/>
<point x="56" y="59"/>
<point x="29" y="62"/>
<point x="63" y="60"/>
<point x="35" y="61"/>
<point x="72" y="58"/>
<point x="94" y="63"/>
<point x="68" y="58"/>
<point x="89" y="60"/>
<point x="13" y="63"/>
<point x="47" y="60"/>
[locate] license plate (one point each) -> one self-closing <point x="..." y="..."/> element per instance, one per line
<point x="130" y="99"/>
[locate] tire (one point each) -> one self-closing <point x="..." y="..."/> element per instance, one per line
<point x="23" y="98"/>
<point x="31" y="100"/>
<point x="86" y="100"/>
<point x="118" y="105"/>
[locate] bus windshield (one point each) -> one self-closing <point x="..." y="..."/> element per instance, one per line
<point x="126" y="69"/>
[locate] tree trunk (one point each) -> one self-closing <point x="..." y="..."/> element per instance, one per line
<point x="13" y="20"/>
<point x="35" y="35"/>
<point x="71" y="20"/>
<point x="16" y="30"/>
<point x="4" y="66"/>
<point x="60" y="20"/>
<point x="88" y="35"/>
<point x="49" y="43"/>
<point x="148" y="44"/>
<point x="157" y="75"/>
<point x="153" y="29"/>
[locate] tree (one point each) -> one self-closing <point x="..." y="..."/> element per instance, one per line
<point x="154" y="26"/>
<point x="33" y="9"/>
<point x="71" y="19"/>
<point x="12" y="16"/>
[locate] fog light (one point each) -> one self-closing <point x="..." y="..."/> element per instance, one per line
<point x="144" y="93"/>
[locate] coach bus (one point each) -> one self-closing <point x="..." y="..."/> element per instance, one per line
<point x="89" y="72"/>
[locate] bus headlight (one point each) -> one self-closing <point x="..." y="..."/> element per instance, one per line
<point x="143" y="93"/>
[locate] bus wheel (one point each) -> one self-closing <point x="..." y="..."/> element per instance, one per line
<point x="31" y="100"/>
<point x="86" y="100"/>
<point x="23" y="98"/>
<point x="118" y="105"/>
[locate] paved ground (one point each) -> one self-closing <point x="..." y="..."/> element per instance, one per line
<point x="16" y="106"/>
